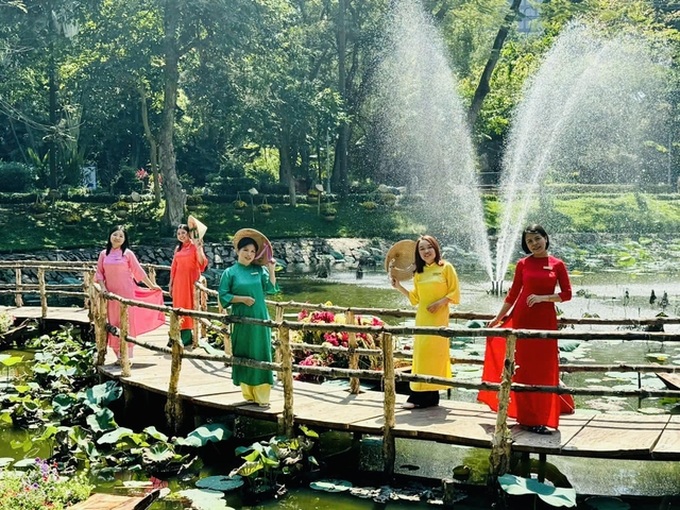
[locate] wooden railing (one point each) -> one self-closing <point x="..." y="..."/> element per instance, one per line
<point x="219" y="323"/>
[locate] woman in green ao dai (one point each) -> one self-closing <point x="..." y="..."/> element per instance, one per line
<point x="243" y="287"/>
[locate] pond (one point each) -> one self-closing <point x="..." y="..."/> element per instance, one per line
<point x="605" y="295"/>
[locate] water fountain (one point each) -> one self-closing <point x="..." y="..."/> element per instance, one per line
<point x="424" y="134"/>
<point x="588" y="114"/>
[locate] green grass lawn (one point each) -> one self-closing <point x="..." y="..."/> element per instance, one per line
<point x="68" y="225"/>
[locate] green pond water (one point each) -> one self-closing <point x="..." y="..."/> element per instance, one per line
<point x="606" y="295"/>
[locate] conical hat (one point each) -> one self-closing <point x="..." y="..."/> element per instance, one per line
<point x="400" y="261"/>
<point x="196" y="228"/>
<point x="264" y="247"/>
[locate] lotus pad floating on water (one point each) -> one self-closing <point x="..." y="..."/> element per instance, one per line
<point x="220" y="483"/>
<point x="606" y="503"/>
<point x="203" y="499"/>
<point x="331" y="485"/>
<point x="554" y="496"/>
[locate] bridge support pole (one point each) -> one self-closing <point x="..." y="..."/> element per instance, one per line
<point x="173" y="406"/>
<point x="389" y="446"/>
<point x="354" y="383"/>
<point x="43" y="293"/>
<point x="502" y="439"/>
<point x="288" y="415"/>
<point x="18" y="298"/>
<point x="100" y="333"/>
<point x="123" y="334"/>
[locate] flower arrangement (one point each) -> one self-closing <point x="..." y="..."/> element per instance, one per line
<point x="265" y="208"/>
<point x="369" y="205"/>
<point x="40" y="487"/>
<point x="335" y="339"/>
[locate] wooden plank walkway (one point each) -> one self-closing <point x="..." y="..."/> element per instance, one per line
<point x="100" y="501"/>
<point x="208" y="384"/>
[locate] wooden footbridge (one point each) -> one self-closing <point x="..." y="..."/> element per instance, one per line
<point x="200" y="378"/>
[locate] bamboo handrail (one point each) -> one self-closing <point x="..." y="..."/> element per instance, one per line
<point x="285" y="366"/>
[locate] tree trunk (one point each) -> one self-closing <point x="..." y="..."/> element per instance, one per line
<point x="175" y="196"/>
<point x="153" y="146"/>
<point x="52" y="91"/>
<point x="339" y="177"/>
<point x="285" y="167"/>
<point x="483" y="88"/>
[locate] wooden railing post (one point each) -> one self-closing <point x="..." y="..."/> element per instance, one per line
<point x="18" y="298"/>
<point x="173" y="406"/>
<point x="278" y="318"/>
<point x="287" y="380"/>
<point x="389" y="388"/>
<point x="43" y="293"/>
<point x="123" y="333"/>
<point x="203" y="304"/>
<point x="354" y="383"/>
<point x="87" y="289"/>
<point x="100" y="332"/>
<point x="151" y="273"/>
<point x="195" y="329"/>
<point x="502" y="439"/>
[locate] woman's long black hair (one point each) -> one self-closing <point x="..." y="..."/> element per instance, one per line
<point x="126" y="243"/>
<point x="184" y="227"/>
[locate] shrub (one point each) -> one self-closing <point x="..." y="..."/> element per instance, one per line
<point x="125" y="181"/>
<point x="39" y="207"/>
<point x="369" y="205"/>
<point x="329" y="210"/>
<point x="388" y="199"/>
<point x="40" y="487"/>
<point x="16" y="177"/>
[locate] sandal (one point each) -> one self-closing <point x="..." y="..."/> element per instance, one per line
<point x="539" y="429"/>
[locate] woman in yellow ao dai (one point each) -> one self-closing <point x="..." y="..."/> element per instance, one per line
<point x="435" y="287"/>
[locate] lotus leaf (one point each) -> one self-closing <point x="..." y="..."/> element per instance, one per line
<point x="331" y="485"/>
<point x="24" y="463"/>
<point x="211" y="433"/>
<point x="103" y="394"/>
<point x="606" y="503"/>
<point x="6" y="418"/>
<point x="102" y="420"/>
<point x="158" y="453"/>
<point x="62" y="403"/>
<point x="247" y="469"/>
<point x="115" y="435"/>
<point x="156" y="434"/>
<point x="8" y="360"/>
<point x="202" y="499"/>
<point x="554" y="496"/>
<point x="220" y="483"/>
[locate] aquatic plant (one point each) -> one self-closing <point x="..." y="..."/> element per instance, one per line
<point x="270" y="465"/>
<point x="554" y="496"/>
